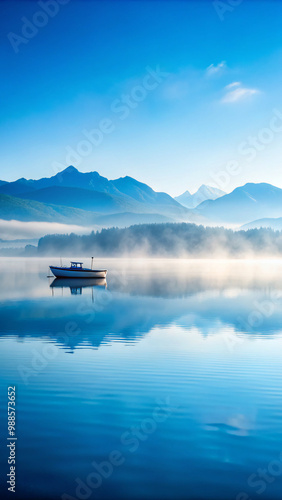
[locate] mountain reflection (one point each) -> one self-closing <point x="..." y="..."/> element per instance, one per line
<point x="212" y="297"/>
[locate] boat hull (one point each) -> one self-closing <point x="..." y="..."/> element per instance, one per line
<point x="61" y="272"/>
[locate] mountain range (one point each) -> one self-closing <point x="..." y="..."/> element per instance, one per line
<point x="204" y="193"/>
<point x="125" y="189"/>
<point x="245" y="204"/>
<point x="88" y="199"/>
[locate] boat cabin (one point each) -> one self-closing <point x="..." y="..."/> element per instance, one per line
<point x="76" y="265"/>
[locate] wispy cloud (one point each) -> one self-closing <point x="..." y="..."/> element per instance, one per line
<point x="232" y="85"/>
<point x="215" y="69"/>
<point x="236" y="92"/>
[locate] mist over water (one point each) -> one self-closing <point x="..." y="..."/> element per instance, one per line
<point x="170" y="240"/>
<point x="14" y="229"/>
<point x="93" y="361"/>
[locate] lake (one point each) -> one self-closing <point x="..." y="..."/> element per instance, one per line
<point x="165" y="382"/>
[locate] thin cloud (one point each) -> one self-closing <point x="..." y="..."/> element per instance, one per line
<point x="215" y="69"/>
<point x="235" y="92"/>
<point x="232" y="85"/>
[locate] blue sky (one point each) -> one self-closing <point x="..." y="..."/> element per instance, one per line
<point x="211" y="104"/>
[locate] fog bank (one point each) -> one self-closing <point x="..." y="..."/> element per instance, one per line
<point x="167" y="240"/>
<point x="17" y="230"/>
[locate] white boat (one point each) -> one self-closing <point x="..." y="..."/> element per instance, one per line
<point x="76" y="270"/>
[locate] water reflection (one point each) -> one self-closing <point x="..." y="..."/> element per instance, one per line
<point x="77" y="285"/>
<point x="243" y="298"/>
<point x="91" y="367"/>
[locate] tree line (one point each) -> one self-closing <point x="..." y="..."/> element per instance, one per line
<point x="166" y="240"/>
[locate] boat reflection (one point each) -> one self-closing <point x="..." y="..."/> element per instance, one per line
<point x="76" y="285"/>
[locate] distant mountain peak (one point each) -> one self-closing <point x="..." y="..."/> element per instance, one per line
<point x="127" y="178"/>
<point x="206" y="187"/>
<point x="70" y="170"/>
<point x="253" y="201"/>
<point x="91" y="191"/>
<point x="204" y="193"/>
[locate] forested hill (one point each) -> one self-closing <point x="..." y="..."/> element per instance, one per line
<point x="167" y="240"/>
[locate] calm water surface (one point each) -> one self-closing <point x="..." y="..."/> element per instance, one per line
<point x="163" y="383"/>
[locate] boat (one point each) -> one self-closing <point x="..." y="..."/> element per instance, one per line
<point x="76" y="270"/>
